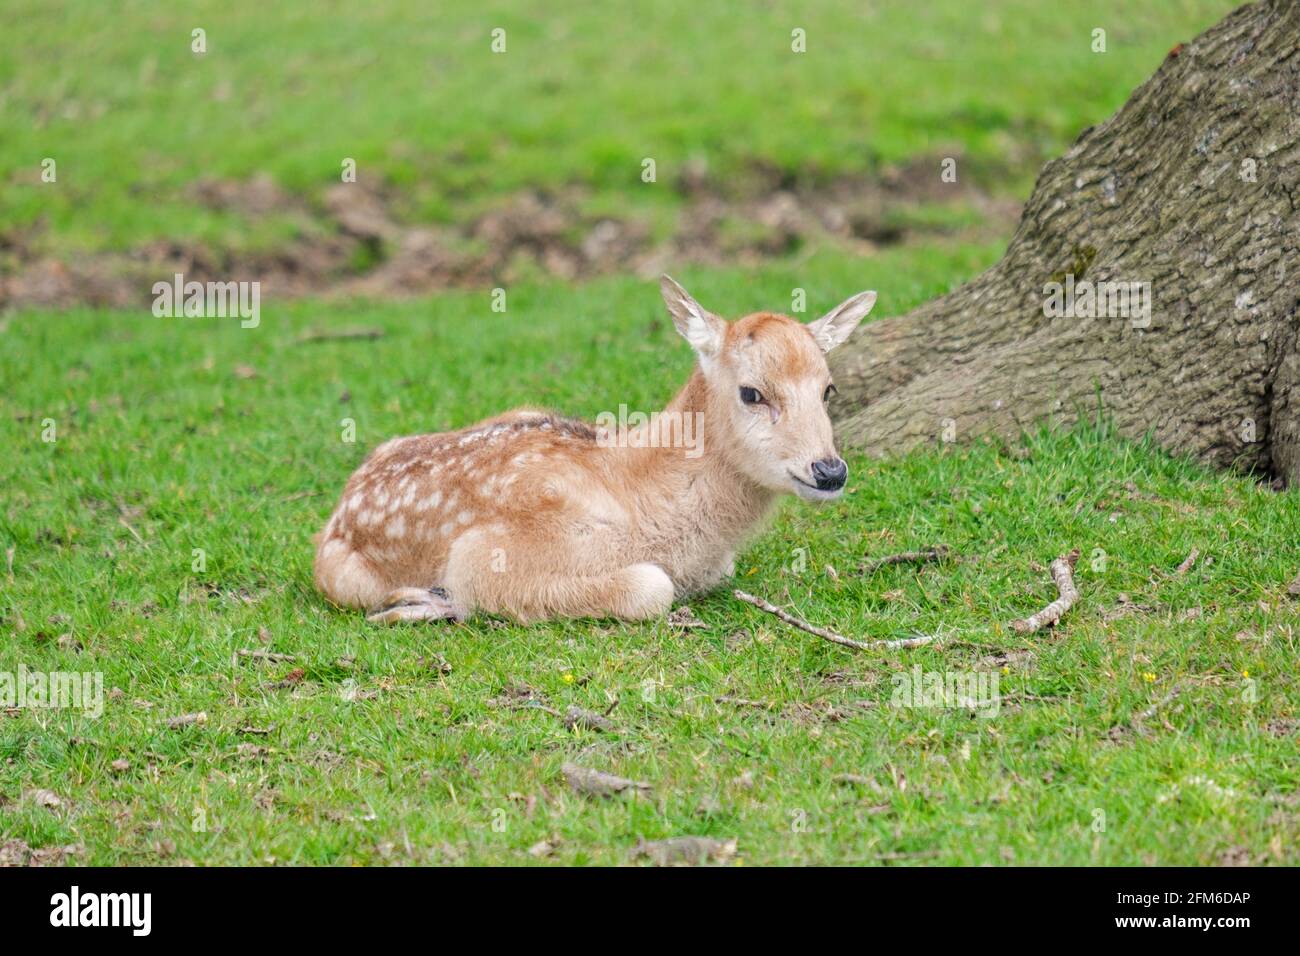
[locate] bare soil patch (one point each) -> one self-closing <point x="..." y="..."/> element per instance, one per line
<point x="354" y="242"/>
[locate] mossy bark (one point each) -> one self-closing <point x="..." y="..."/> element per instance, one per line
<point x="1192" y="187"/>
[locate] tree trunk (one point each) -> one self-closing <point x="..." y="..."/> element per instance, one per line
<point x="1192" y="187"/>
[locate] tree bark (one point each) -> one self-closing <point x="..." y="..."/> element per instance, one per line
<point x="1192" y="187"/>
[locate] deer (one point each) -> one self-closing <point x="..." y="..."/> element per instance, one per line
<point x="533" y="516"/>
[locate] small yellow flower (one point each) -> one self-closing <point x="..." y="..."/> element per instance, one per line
<point x="568" y="677"/>
<point x="1245" y="673"/>
<point x="1149" y="677"/>
<point x="1006" y="669"/>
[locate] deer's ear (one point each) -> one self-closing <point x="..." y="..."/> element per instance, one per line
<point x="837" y="325"/>
<point x="696" y="324"/>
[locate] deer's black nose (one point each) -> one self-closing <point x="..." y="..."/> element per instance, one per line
<point x="830" y="473"/>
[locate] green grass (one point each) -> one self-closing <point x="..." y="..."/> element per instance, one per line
<point x="583" y="93"/>
<point x="377" y="755"/>
<point x="188" y="442"/>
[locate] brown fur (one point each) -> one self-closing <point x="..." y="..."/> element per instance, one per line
<point x="529" y="514"/>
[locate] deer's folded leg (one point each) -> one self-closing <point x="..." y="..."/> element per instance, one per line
<point x="533" y="585"/>
<point x="637" y="592"/>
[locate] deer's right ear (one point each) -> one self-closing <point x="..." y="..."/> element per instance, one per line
<point x="696" y="324"/>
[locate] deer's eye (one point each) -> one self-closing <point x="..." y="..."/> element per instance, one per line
<point x="830" y="390"/>
<point x="750" y="396"/>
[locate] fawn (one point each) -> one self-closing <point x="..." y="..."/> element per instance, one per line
<point x="536" y="516"/>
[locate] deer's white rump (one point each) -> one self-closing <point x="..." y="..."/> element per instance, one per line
<point x="536" y="516"/>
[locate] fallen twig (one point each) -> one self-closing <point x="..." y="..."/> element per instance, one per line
<point x="685" y="618"/>
<point x="576" y="717"/>
<point x="917" y="855"/>
<point x="684" y="851"/>
<point x="597" y="783"/>
<point x="1138" y="720"/>
<point x="185" y="720"/>
<point x="1150" y="712"/>
<point x="534" y="704"/>
<point x="262" y="655"/>
<point x="829" y="635"/>
<point x="940" y="552"/>
<point x="121" y="519"/>
<point x="299" y="495"/>
<point x="902" y="643"/>
<point x="334" y="335"/>
<point x="1063" y="574"/>
<point x="1188" y="562"/>
<point x="746" y="702"/>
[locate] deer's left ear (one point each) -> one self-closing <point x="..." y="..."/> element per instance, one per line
<point x="838" y="324"/>
<point x="696" y="324"/>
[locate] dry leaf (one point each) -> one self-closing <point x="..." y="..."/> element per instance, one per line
<point x="44" y="798"/>
<point x="576" y="717"/>
<point x="185" y="720"/>
<point x="544" y="848"/>
<point x="685" y="850"/>
<point x="597" y="783"/>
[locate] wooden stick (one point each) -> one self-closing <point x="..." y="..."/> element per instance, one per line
<point x="1150" y="712"/>
<point x="939" y="552"/>
<point x="336" y="335"/>
<point x="1063" y="574"/>
<point x="262" y="655"/>
<point x="185" y="720"/>
<point x="1138" y="721"/>
<point x="829" y="635"/>
<point x="1188" y="562"/>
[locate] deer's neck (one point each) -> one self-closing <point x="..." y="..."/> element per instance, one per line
<point x="694" y="489"/>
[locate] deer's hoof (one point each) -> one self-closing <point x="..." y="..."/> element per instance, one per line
<point x="414" y="605"/>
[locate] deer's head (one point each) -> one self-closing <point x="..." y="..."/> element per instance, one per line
<point x="767" y="386"/>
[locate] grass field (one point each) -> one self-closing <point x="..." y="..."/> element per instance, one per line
<point x="583" y="93"/>
<point x="160" y="479"/>
<point x="375" y="754"/>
